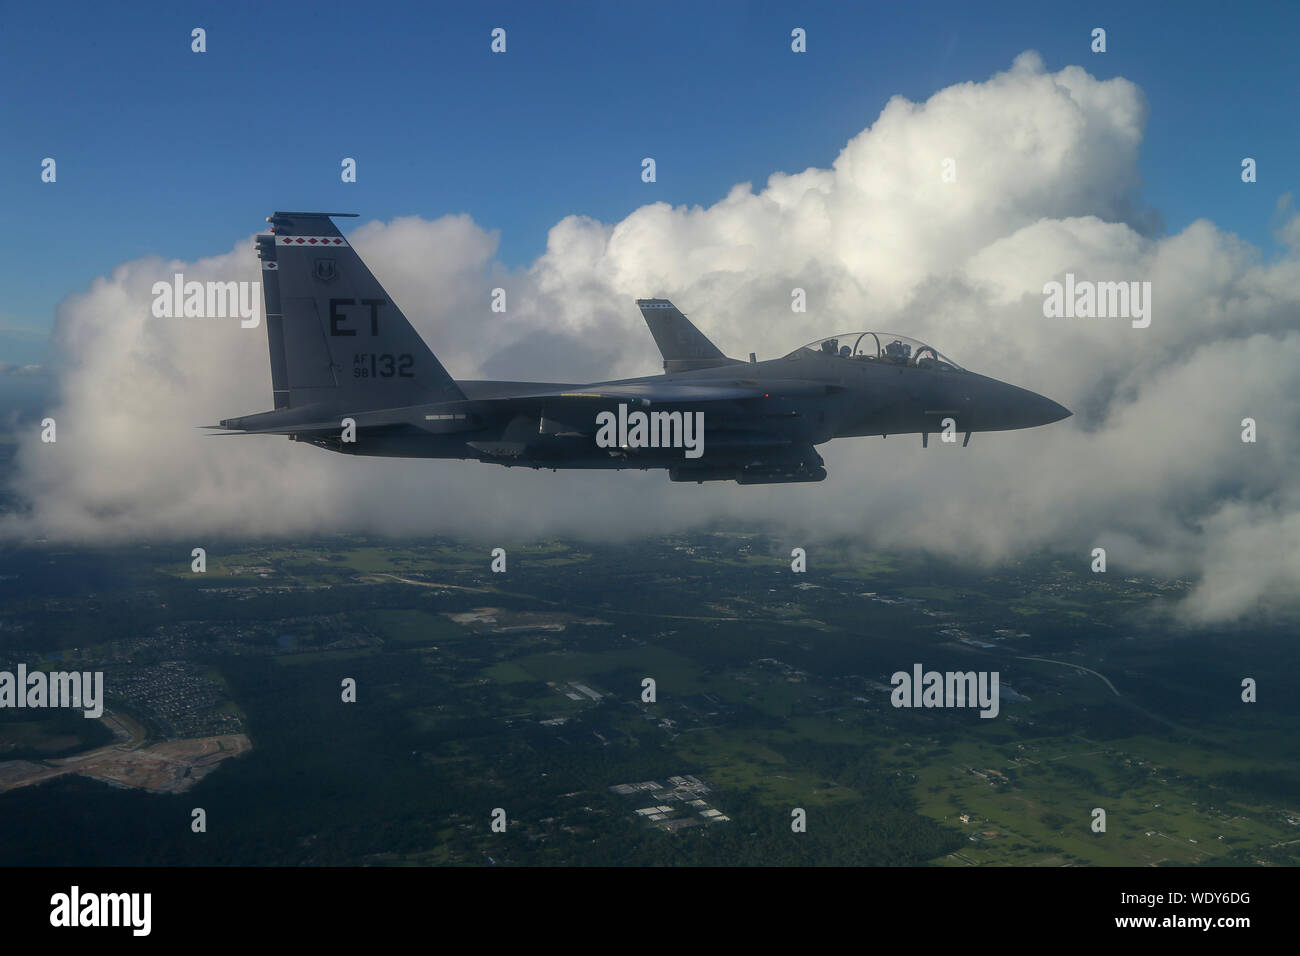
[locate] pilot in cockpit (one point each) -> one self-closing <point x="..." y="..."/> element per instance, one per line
<point x="898" y="352"/>
<point x="845" y="351"/>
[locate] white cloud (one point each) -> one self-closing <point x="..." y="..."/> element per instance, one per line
<point x="1151" y="467"/>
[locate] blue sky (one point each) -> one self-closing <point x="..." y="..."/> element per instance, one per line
<point x="163" y="151"/>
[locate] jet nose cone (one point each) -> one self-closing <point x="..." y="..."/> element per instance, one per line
<point x="1033" y="410"/>
<point x="998" y="406"/>
<point x="1051" y="411"/>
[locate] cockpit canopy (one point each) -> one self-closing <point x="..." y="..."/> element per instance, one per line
<point x="884" y="347"/>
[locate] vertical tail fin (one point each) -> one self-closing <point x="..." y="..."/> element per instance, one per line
<point x="274" y="320"/>
<point x="335" y="335"/>
<point x="683" y="346"/>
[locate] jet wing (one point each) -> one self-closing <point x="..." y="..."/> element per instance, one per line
<point x="430" y="417"/>
<point x="662" y="393"/>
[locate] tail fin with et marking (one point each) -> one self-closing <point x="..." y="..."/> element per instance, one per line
<point x="336" y="337"/>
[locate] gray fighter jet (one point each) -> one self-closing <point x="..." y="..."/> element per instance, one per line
<point x="350" y="374"/>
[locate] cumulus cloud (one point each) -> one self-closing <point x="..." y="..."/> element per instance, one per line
<point x="1151" y="466"/>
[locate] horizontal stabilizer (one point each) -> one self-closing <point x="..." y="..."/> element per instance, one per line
<point x="304" y="429"/>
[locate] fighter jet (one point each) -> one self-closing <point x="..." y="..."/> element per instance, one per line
<point x="350" y="374"/>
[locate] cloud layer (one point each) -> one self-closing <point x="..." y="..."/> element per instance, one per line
<point x="1152" y="466"/>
